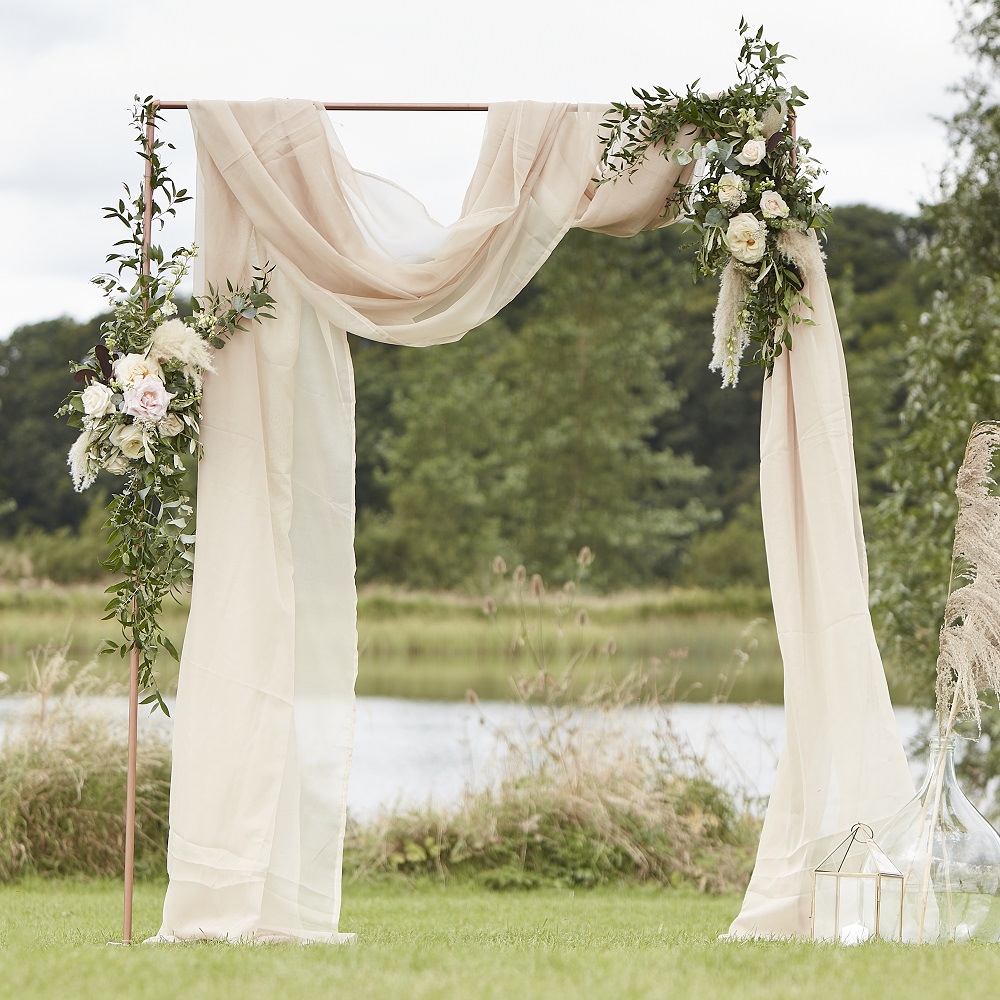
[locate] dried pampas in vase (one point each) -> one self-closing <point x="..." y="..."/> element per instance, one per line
<point x="947" y="851"/>
<point x="969" y="659"/>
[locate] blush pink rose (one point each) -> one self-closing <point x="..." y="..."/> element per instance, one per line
<point x="146" y="399"/>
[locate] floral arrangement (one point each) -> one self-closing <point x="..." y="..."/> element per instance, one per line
<point x="138" y="405"/>
<point x="752" y="197"/>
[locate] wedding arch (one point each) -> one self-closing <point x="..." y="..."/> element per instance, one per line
<point x="256" y="837"/>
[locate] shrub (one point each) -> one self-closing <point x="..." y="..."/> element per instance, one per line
<point x="584" y="803"/>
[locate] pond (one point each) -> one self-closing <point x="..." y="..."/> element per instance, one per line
<point x="413" y="753"/>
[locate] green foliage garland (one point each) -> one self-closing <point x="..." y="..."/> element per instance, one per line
<point x="752" y="187"/>
<point x="138" y="405"/>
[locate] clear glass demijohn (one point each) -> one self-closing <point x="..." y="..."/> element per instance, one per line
<point x="949" y="855"/>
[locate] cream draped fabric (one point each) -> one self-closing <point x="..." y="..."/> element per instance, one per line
<point x="842" y="762"/>
<point x="265" y="703"/>
<point x="264" y="716"/>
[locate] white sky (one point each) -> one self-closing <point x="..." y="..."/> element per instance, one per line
<point x="878" y="74"/>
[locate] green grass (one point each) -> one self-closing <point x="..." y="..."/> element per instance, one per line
<point x="428" y="941"/>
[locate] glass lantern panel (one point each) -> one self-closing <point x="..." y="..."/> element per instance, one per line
<point x="825" y="907"/>
<point x="890" y="912"/>
<point x="857" y="903"/>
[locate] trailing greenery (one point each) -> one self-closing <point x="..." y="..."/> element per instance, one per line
<point x="138" y="403"/>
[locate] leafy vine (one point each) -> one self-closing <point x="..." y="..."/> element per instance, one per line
<point x="137" y="403"/>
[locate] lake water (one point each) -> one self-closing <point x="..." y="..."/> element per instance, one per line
<point x="419" y="752"/>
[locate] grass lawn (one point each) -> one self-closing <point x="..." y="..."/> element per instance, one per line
<point x="462" y="942"/>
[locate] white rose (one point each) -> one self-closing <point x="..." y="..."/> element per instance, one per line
<point x="730" y="190"/>
<point x="130" y="438"/>
<point x="133" y="367"/>
<point x="170" y="425"/>
<point x="117" y="464"/>
<point x="746" y="237"/>
<point x="772" y="205"/>
<point x="752" y="153"/>
<point x="96" y="399"/>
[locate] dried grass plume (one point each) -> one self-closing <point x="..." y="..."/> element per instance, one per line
<point x="969" y="658"/>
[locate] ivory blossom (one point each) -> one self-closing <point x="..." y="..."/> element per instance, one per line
<point x="130" y="438"/>
<point x="746" y="237"/>
<point x="96" y="399"/>
<point x="730" y="190"/>
<point x="772" y="205"/>
<point x="132" y="367"/>
<point x="752" y="153"/>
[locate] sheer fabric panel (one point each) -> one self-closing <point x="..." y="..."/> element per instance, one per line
<point x="264" y="717"/>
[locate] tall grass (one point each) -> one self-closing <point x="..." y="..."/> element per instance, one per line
<point x="582" y="803"/>
<point x="62" y="784"/>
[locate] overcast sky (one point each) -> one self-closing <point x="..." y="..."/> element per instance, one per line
<point x="877" y="72"/>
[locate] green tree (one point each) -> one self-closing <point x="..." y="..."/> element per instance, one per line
<point x="35" y="485"/>
<point x="588" y="373"/>
<point x="951" y="371"/>
<point x="534" y="435"/>
<point x="441" y="454"/>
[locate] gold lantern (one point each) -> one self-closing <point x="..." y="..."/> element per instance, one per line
<point x="857" y="892"/>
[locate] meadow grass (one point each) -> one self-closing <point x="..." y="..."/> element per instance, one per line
<point x="439" y="646"/>
<point x="425" y="940"/>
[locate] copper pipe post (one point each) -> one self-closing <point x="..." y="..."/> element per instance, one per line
<point x="133" y="686"/>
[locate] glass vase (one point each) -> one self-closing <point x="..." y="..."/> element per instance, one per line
<point x="950" y="858"/>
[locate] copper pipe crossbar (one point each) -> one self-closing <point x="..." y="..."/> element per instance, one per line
<point x="356" y="106"/>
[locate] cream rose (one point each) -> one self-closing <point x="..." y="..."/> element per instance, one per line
<point x="146" y="399"/>
<point x="730" y="190"/>
<point x="133" y="367"/>
<point x="96" y="399"/>
<point x="752" y="153"/>
<point x="746" y="237"/>
<point x="131" y="439"/>
<point x="117" y="464"/>
<point x="772" y="205"/>
<point x="170" y="425"/>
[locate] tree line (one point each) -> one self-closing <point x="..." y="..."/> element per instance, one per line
<point x="583" y="414"/>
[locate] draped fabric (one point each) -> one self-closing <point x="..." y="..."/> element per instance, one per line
<point x="264" y="716"/>
<point x="270" y="656"/>
<point x="842" y="762"/>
